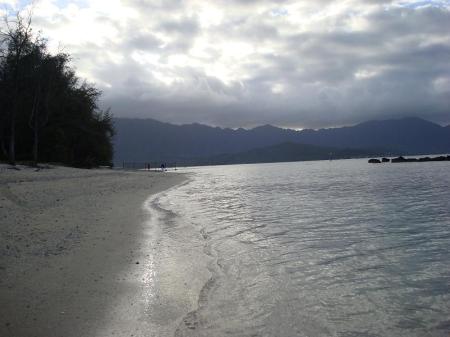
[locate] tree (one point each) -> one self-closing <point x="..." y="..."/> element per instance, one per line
<point x="54" y="113"/>
<point x="15" y="42"/>
<point x="42" y="69"/>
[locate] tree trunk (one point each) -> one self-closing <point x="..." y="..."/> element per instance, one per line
<point x="34" y="124"/>
<point x="36" y="141"/>
<point x="3" y="148"/>
<point x="12" y="140"/>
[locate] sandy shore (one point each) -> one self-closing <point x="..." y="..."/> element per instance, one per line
<point x="78" y="257"/>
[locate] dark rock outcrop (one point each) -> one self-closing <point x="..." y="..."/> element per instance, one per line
<point x="402" y="159"/>
<point x="374" y="161"/>
<point x="440" y="158"/>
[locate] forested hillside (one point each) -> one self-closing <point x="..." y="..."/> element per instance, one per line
<point x="151" y="140"/>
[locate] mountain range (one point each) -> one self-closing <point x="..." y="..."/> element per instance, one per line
<point x="143" y="140"/>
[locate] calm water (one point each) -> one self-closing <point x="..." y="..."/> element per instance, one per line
<point x="338" y="248"/>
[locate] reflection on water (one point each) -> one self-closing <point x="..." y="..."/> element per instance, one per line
<point x="337" y="248"/>
<point x="149" y="271"/>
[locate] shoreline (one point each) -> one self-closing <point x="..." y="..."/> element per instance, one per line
<point x="182" y="266"/>
<point x="77" y="253"/>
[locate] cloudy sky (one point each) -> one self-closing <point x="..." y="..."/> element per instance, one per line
<point x="247" y="62"/>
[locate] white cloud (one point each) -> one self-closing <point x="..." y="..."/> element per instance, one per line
<point x="240" y="63"/>
<point x="12" y="3"/>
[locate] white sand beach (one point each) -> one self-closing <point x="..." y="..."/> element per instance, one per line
<point x="78" y="256"/>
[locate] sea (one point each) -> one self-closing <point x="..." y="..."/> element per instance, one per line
<point x="320" y="248"/>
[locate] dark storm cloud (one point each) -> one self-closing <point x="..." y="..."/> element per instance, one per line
<point x="185" y="26"/>
<point x="142" y="41"/>
<point x="291" y="63"/>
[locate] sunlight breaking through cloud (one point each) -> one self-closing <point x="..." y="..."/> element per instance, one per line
<point x="242" y="63"/>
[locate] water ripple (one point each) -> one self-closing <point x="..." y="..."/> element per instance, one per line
<point x="336" y="248"/>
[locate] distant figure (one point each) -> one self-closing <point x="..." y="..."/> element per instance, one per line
<point x="163" y="167"/>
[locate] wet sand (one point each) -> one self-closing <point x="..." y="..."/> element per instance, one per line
<point x="80" y="257"/>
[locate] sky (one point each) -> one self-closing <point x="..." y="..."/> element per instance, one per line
<point x="243" y="63"/>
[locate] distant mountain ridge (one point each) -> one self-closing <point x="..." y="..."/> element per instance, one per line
<point x="150" y="140"/>
<point x="285" y="152"/>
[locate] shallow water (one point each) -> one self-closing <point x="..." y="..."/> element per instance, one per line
<point x="339" y="248"/>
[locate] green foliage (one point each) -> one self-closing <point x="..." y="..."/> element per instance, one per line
<point x="46" y="112"/>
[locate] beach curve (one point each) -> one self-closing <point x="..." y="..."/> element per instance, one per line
<point x="76" y="252"/>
